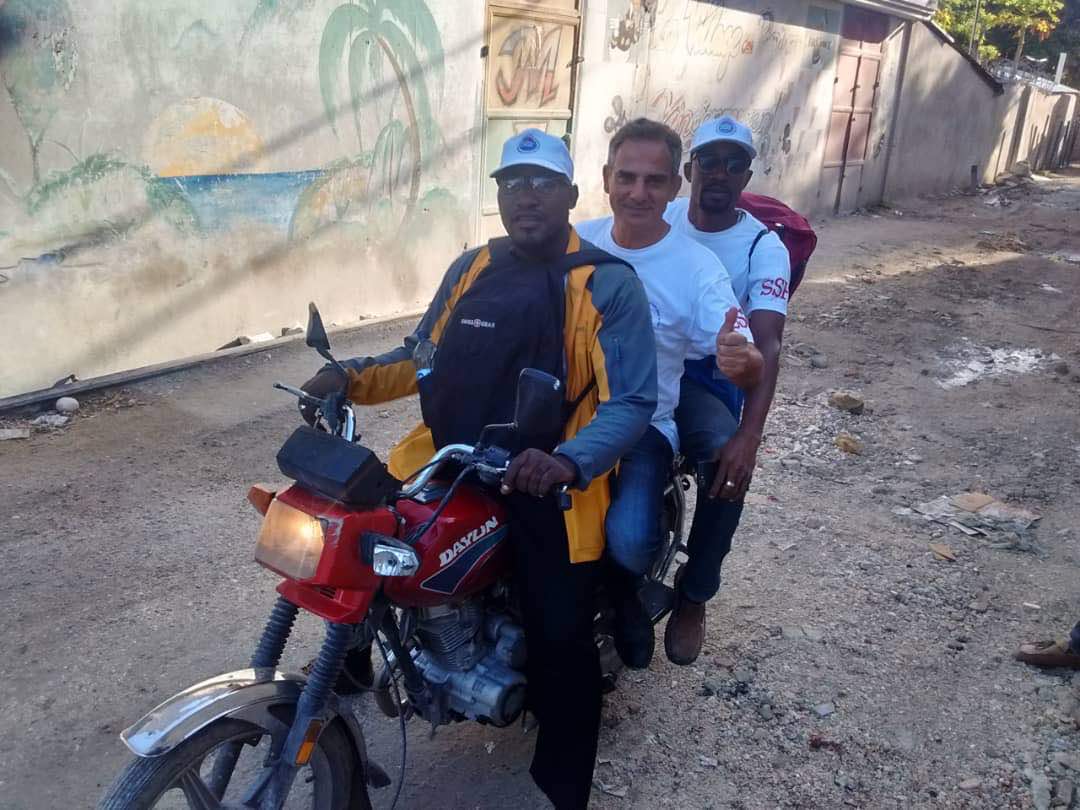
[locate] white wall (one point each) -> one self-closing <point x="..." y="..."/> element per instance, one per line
<point x="698" y="60"/>
<point x="951" y="119"/>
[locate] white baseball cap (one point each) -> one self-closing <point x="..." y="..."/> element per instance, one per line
<point x="724" y="129"/>
<point x="531" y="147"/>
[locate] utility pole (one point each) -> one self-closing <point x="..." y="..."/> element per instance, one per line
<point x="974" y="28"/>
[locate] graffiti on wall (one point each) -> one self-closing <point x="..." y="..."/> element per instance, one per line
<point x="619" y="116"/>
<point x="626" y="29"/>
<point x="530" y="59"/>
<point x="771" y="125"/>
<point x="822" y="29"/>
<point x="686" y="29"/>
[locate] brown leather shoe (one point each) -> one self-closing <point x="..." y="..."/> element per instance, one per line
<point x="1049" y="654"/>
<point x="685" y="631"/>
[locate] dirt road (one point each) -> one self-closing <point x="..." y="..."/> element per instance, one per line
<point x="847" y="663"/>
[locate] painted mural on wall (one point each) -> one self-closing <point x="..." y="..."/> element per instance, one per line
<point x="204" y="167"/>
<point x="155" y="176"/>
<point x="85" y="198"/>
<point x="381" y="73"/>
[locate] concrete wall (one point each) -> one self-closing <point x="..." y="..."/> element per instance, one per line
<point x="689" y="61"/>
<point x="951" y="118"/>
<point x="170" y="177"/>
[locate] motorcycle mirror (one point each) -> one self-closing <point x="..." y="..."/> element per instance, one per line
<point x="320" y="342"/>
<point x="316" y="332"/>
<point x="538" y="409"/>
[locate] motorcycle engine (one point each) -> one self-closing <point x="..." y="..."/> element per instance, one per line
<point x="472" y="659"/>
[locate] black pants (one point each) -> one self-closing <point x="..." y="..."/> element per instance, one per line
<point x="563" y="669"/>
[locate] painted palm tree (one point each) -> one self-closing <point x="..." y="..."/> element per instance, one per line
<point x="359" y="40"/>
<point x="38" y="58"/>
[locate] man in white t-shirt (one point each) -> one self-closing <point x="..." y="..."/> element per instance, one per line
<point x="695" y="315"/>
<point x="718" y="170"/>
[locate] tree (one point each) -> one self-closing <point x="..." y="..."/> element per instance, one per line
<point x="957" y="17"/>
<point x="1066" y="37"/>
<point x="1037" y="16"/>
<point x="1000" y="21"/>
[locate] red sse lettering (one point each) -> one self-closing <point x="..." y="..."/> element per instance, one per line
<point x="776" y="287"/>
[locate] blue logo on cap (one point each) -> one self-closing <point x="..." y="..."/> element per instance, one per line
<point x="725" y="127"/>
<point x="528" y="144"/>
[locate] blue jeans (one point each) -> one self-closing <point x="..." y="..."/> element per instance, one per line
<point x="632" y="525"/>
<point x="705" y="425"/>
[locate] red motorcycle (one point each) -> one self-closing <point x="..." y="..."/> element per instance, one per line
<point x="417" y="572"/>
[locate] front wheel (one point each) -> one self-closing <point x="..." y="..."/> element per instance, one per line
<point x="182" y="777"/>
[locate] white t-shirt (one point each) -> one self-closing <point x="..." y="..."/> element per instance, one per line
<point x="761" y="281"/>
<point x="689" y="294"/>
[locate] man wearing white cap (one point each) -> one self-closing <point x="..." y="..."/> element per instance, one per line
<point x="539" y="299"/>
<point x="757" y="261"/>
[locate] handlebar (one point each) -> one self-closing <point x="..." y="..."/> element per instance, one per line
<point x="466" y="453"/>
<point x="344" y="425"/>
<point x="335" y="412"/>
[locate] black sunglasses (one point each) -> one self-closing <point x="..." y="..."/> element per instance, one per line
<point x="711" y="164"/>
<point x="540" y="183"/>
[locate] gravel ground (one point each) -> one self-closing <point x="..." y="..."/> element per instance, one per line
<point x="847" y="663"/>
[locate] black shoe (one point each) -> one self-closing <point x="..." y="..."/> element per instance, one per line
<point x="634" y="638"/>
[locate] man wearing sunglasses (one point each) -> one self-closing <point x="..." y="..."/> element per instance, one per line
<point x="695" y="315"/>
<point x="539" y="299"/>
<point x="709" y="405"/>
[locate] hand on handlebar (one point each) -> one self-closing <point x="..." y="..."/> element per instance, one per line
<point x="326" y="382"/>
<point x="537" y="473"/>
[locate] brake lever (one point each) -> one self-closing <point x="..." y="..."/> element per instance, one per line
<point x="300" y="394"/>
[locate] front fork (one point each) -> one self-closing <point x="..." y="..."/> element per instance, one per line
<point x="272" y="789"/>
<point x="308" y="721"/>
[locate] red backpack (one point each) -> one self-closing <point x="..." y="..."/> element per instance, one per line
<point x="792" y="228"/>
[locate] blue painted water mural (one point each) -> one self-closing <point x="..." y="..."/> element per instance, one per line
<point x="223" y="201"/>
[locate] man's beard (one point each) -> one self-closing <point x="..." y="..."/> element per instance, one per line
<point x="716" y="200"/>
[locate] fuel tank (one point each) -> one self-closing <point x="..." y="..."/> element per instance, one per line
<point x="465" y="550"/>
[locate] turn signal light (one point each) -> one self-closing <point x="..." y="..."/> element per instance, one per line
<point x="260" y="496"/>
<point x="307" y="747"/>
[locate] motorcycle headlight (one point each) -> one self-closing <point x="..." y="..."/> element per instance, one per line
<point x="290" y="541"/>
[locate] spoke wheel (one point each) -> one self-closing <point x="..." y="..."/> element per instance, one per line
<point x="181" y="779"/>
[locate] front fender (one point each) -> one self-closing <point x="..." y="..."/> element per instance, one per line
<point x="244" y="694"/>
<point x="234" y="694"/>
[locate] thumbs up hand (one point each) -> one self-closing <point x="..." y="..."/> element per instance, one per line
<point x="736" y="357"/>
